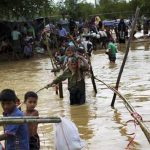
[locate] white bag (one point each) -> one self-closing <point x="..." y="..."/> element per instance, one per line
<point x="67" y="136"/>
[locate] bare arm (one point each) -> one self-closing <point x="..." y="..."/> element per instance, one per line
<point x="86" y="65"/>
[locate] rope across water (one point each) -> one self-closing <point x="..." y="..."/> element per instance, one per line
<point x="131" y="109"/>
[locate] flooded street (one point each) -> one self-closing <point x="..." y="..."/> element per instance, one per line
<point x="102" y="127"/>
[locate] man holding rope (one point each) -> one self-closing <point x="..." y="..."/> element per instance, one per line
<point x="76" y="82"/>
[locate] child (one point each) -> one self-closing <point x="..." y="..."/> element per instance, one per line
<point x="30" y="100"/>
<point x="15" y="136"/>
<point x="27" y="50"/>
<point x="70" y="52"/>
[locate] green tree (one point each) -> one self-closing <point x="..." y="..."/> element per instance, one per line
<point x="84" y="10"/>
<point x="25" y="8"/>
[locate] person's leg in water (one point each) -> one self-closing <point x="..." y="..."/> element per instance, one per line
<point x="112" y="59"/>
<point x="80" y="94"/>
<point x="80" y="97"/>
<point x="73" y="96"/>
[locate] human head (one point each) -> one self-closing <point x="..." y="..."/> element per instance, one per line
<point x="87" y="38"/>
<point x="8" y="100"/>
<point x="122" y="20"/>
<point x="73" y="63"/>
<point x="80" y="51"/>
<point x="30" y="99"/>
<point x="70" y="51"/>
<point x="111" y="40"/>
<point x="15" y="28"/>
<point x="60" y="26"/>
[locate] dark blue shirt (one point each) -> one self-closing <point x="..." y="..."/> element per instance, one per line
<point x="19" y="139"/>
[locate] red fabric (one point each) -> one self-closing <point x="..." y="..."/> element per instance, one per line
<point x="135" y="115"/>
<point x="1" y="146"/>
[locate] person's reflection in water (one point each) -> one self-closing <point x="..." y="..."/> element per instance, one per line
<point x="133" y="46"/>
<point x="123" y="129"/>
<point x="121" y="47"/>
<point x="112" y="65"/>
<point x="146" y="46"/>
<point x="80" y="116"/>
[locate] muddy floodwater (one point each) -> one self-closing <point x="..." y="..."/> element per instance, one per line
<point x="100" y="126"/>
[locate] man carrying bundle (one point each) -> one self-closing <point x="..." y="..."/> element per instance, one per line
<point x="75" y="75"/>
<point x="111" y="51"/>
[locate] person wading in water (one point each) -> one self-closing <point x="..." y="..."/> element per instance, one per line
<point x="74" y="72"/>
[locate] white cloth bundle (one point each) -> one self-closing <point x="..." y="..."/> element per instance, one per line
<point x="67" y="136"/>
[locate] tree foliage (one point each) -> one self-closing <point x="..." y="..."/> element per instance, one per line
<point x="74" y="8"/>
<point x="24" y="8"/>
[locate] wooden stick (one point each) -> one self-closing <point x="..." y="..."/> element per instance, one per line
<point x="19" y="106"/>
<point x="60" y="84"/>
<point x="40" y="90"/>
<point x="49" y="54"/>
<point x="126" y="54"/>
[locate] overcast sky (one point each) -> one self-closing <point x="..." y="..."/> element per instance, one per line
<point x="89" y="1"/>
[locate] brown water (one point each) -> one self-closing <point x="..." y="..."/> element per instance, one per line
<point x="102" y="127"/>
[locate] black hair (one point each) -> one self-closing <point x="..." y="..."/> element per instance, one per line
<point x="15" y="28"/>
<point x="30" y="94"/>
<point x="8" y="95"/>
<point x="81" y="50"/>
<point x="87" y="38"/>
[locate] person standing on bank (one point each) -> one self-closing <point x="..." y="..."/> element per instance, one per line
<point x="16" y="38"/>
<point x="122" y="30"/>
<point x="74" y="72"/>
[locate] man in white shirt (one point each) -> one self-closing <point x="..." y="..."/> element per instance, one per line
<point x="15" y="34"/>
<point x="88" y="45"/>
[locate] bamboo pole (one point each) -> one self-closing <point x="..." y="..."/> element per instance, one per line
<point x="131" y="109"/>
<point x="53" y="62"/>
<point x="60" y="84"/>
<point x="126" y="54"/>
<point x="49" y="53"/>
<point x="26" y="119"/>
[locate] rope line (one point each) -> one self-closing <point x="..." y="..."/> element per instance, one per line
<point x="132" y="111"/>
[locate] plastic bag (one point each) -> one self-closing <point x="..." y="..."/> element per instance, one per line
<point x="67" y="136"/>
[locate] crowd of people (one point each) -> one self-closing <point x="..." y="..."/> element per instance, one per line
<point x="26" y="38"/>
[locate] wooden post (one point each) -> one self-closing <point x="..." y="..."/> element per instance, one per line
<point x="126" y="54"/>
<point x="93" y="79"/>
<point x="60" y="90"/>
<point x="60" y="84"/>
<point x="51" y="57"/>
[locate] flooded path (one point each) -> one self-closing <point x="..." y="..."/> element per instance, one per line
<point x="102" y="127"/>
